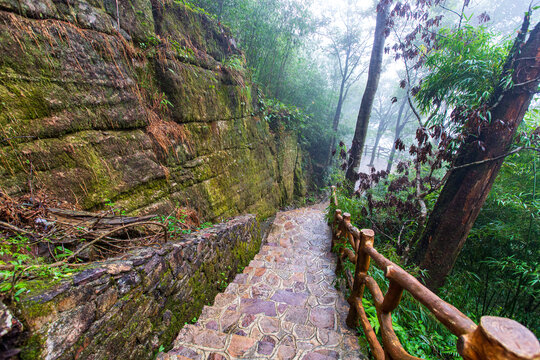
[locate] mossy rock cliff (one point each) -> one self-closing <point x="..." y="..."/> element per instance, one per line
<point x="148" y="116"/>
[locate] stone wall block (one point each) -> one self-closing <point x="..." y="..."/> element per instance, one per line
<point x="76" y="296"/>
<point x="105" y="301"/>
<point x="119" y="307"/>
<point x="88" y="275"/>
<point x="175" y="259"/>
<point x="127" y="282"/>
<point x="68" y="328"/>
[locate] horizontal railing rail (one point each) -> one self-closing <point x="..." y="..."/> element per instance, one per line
<point x="494" y="338"/>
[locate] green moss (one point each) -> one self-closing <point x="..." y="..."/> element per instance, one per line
<point x="34" y="310"/>
<point x="40" y="285"/>
<point x="204" y="285"/>
<point x="32" y="348"/>
<point x="141" y="196"/>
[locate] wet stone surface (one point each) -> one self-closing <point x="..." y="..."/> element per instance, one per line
<point x="283" y="305"/>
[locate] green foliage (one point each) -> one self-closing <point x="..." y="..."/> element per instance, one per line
<point x="277" y="114"/>
<point x="275" y="38"/>
<point x="464" y="69"/>
<point x="179" y="226"/>
<point x="224" y="280"/>
<point x="192" y="5"/>
<point x="235" y="62"/>
<point x="26" y="265"/>
<point x="181" y="51"/>
<point x="113" y="208"/>
<point x="164" y="103"/>
<point x="388" y="209"/>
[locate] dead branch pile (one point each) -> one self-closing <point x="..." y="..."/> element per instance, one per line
<point x="62" y="236"/>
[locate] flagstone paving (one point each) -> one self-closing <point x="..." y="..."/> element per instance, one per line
<point x="283" y="306"/>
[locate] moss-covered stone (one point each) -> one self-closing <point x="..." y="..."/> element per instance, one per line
<point x="127" y="309"/>
<point x="135" y="121"/>
<point x="33" y="348"/>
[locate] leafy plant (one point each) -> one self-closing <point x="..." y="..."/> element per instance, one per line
<point x="182" y="51"/>
<point x="281" y="116"/>
<point x="164" y="104"/>
<point x="235" y="62"/>
<point x="25" y="265"/>
<point x="113" y="207"/>
<point x="464" y="69"/>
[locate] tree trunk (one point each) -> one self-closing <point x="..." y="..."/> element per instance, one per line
<point x="374" y="74"/>
<point x="281" y="70"/>
<point x="377" y="140"/>
<point x="220" y="11"/>
<point x="399" y="128"/>
<point x="335" y="123"/>
<point x="467" y="187"/>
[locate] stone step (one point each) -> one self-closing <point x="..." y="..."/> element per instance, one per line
<point x="287" y="248"/>
<point x="286" y="257"/>
<point x="296" y="280"/>
<point x="294" y="265"/>
<point x="298" y="332"/>
<point x="295" y="250"/>
<point x="323" y="267"/>
<point x="199" y="343"/>
<point x="297" y="294"/>
<point x="299" y="310"/>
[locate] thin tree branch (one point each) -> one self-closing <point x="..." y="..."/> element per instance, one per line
<point x="452" y="11"/>
<point x="526" y="82"/>
<point x="480" y="162"/>
<point x="14" y="228"/>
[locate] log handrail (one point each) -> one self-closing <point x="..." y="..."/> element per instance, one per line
<point x="494" y="338"/>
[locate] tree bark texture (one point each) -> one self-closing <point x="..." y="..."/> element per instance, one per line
<point x="374" y="74"/>
<point x="467" y="187"/>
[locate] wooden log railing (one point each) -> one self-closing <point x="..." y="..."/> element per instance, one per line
<point x="493" y="339"/>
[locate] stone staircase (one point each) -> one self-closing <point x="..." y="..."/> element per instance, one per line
<point x="283" y="306"/>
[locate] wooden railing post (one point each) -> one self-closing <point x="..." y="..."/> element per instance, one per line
<point x="335" y="240"/>
<point x="392" y="297"/>
<point x="498" y="338"/>
<point x="336" y="228"/>
<point x="362" y="267"/>
<point x="333" y="197"/>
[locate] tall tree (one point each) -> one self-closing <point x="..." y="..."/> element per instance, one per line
<point x="384" y="114"/>
<point x="479" y="158"/>
<point x="401" y="121"/>
<point x="374" y="74"/>
<point x="347" y="48"/>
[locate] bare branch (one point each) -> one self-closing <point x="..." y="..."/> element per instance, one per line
<point x="496" y="158"/>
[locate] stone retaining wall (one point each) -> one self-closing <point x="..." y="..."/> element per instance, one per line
<point x="130" y="307"/>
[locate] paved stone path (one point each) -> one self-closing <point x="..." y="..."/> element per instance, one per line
<point x="283" y="306"/>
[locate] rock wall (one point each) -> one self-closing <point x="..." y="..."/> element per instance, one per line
<point x="158" y="114"/>
<point x="129" y="308"/>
